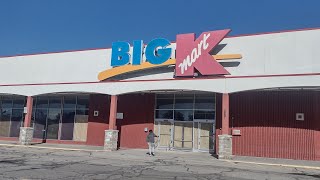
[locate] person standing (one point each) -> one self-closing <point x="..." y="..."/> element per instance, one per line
<point x="150" y="141"/>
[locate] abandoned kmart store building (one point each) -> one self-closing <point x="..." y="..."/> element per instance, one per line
<point x="251" y="95"/>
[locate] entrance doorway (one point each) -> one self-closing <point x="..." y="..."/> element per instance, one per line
<point x="183" y="135"/>
<point x="198" y="135"/>
<point x="204" y="133"/>
<point x="185" y="121"/>
<point x="164" y="130"/>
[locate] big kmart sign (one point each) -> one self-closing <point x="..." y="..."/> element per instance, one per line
<point x="191" y="54"/>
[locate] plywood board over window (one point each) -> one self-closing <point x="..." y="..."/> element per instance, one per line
<point x="4" y="128"/>
<point x="80" y="128"/>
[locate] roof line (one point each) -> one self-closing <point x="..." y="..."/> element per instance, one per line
<point x="241" y="35"/>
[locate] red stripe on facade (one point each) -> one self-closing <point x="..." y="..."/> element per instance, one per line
<point x="177" y="79"/>
<point x="274" y="32"/>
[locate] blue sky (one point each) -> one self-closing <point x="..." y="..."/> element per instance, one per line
<point x="37" y="26"/>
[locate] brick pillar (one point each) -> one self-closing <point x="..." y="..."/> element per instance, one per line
<point x="225" y="140"/>
<point x="26" y="132"/>
<point x="111" y="135"/>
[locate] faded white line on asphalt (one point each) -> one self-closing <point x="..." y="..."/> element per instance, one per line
<point x="271" y="164"/>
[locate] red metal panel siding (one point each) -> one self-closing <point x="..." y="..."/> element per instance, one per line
<point x="268" y="126"/>
<point x="98" y="124"/>
<point x="138" y="113"/>
<point x="316" y="109"/>
<point x="317" y="145"/>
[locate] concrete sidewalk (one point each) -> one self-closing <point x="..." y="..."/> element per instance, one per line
<point x="194" y="157"/>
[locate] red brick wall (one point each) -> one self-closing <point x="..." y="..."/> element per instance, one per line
<point x="268" y="126"/>
<point x="138" y="110"/>
<point x="98" y="124"/>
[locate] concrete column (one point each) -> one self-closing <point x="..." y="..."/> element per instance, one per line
<point x="225" y="114"/>
<point x="111" y="135"/>
<point x="225" y="140"/>
<point x="26" y="132"/>
<point x="113" y="112"/>
<point x="111" y="140"/>
<point x="225" y="146"/>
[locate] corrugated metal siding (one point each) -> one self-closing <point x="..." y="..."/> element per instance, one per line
<point x="268" y="126"/>
<point x="98" y="124"/>
<point x="138" y="113"/>
<point x="317" y="125"/>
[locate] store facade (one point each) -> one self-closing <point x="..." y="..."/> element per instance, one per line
<point x="251" y="95"/>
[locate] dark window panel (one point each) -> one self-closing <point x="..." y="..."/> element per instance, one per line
<point x="184" y="101"/>
<point x="164" y="104"/>
<point x="39" y="122"/>
<point x="55" y="102"/>
<point x="205" y="102"/>
<point x="82" y="111"/>
<point x="16" y="120"/>
<point x="209" y="115"/>
<point x="164" y="114"/>
<point x="183" y="115"/>
<point x="83" y="102"/>
<point x="67" y="124"/>
<point x="34" y="103"/>
<point x="69" y="102"/>
<point x="6" y="102"/>
<point x="42" y="102"/>
<point x="6" y="114"/>
<point x="18" y="103"/>
<point x="32" y="117"/>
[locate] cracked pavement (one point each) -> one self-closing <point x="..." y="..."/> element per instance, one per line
<point x="30" y="163"/>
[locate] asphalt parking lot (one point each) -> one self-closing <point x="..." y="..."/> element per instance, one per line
<point x="33" y="163"/>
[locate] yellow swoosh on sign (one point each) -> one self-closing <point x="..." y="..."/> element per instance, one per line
<point x="146" y="65"/>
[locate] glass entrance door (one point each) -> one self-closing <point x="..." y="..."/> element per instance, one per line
<point x="53" y="120"/>
<point x="164" y="130"/>
<point x="183" y="135"/>
<point x="204" y="136"/>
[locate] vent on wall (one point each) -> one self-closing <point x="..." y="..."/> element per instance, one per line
<point x="300" y="116"/>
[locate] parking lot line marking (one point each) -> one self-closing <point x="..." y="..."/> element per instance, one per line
<point x="273" y="164"/>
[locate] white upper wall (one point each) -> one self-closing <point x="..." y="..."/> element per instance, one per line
<point x="283" y="53"/>
<point x="78" y="66"/>
<point x="280" y="53"/>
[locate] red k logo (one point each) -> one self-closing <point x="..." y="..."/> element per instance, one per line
<point x="194" y="54"/>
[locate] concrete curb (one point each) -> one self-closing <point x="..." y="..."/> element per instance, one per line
<point x="53" y="148"/>
<point x="273" y="164"/>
